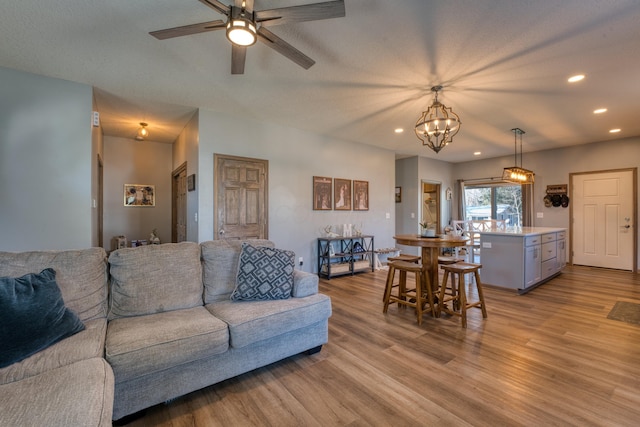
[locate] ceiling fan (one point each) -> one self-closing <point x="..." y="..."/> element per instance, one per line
<point x="244" y="26"/>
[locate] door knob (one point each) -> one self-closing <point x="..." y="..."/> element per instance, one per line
<point x="221" y="232"/>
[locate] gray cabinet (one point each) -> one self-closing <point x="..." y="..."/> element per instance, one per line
<point x="523" y="258"/>
<point x="561" y="251"/>
<point x="532" y="263"/>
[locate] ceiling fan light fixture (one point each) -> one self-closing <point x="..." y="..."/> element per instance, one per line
<point x="241" y="30"/>
<point x="143" y="132"/>
<point x="437" y="125"/>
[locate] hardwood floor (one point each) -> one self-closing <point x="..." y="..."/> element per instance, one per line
<point x="549" y="357"/>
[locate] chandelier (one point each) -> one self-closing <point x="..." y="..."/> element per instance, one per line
<point x="437" y="125"/>
<point x="517" y="174"/>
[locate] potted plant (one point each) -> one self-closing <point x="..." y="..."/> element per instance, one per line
<point x="428" y="229"/>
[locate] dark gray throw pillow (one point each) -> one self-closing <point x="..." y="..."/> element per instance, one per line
<point x="264" y="274"/>
<point x="32" y="316"/>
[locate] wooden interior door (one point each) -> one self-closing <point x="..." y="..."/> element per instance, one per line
<point x="241" y="186"/>
<point x="603" y="210"/>
<point x="179" y="204"/>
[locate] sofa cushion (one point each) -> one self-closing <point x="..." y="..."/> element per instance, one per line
<point x="155" y="278"/>
<point x="220" y="260"/>
<point x="141" y="345"/>
<point x="264" y="274"/>
<point x="253" y="321"/>
<point x="80" y="274"/>
<point x="86" y="344"/>
<point x="32" y="315"/>
<point x="80" y="394"/>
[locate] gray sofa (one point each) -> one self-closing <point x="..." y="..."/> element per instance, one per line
<point x="170" y="329"/>
<point x="69" y="383"/>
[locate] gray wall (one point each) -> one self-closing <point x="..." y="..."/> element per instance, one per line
<point x="294" y="158"/>
<point x="45" y="163"/>
<point x="410" y="173"/>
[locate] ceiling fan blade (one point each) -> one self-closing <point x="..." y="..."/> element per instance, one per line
<point x="307" y="12"/>
<point x="284" y="48"/>
<point x="217" y="6"/>
<point x="238" y="55"/>
<point x="188" y="30"/>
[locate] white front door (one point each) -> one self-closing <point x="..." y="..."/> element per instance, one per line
<point x="603" y="226"/>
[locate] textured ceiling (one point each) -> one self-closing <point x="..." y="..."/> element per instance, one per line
<point x="503" y="64"/>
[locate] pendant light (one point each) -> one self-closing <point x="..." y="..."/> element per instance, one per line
<point x="517" y="174"/>
<point x="437" y="125"/>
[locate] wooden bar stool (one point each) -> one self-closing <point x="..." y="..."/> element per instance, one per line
<point x="409" y="297"/>
<point x="447" y="260"/>
<point x="458" y="295"/>
<point x="403" y="257"/>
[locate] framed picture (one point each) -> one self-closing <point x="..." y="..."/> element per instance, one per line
<point x="398" y="194"/>
<point x="342" y="194"/>
<point x="360" y="195"/>
<point x="139" y="195"/>
<point x="191" y="182"/>
<point x="321" y="193"/>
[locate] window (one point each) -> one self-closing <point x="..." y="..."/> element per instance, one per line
<point x="494" y="201"/>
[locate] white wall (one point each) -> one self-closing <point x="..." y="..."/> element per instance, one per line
<point x="127" y="161"/>
<point x="295" y="156"/>
<point x="45" y="163"/>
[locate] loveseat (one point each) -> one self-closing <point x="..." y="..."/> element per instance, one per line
<point x="179" y="317"/>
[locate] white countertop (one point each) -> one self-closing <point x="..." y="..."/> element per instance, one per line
<point x="522" y="231"/>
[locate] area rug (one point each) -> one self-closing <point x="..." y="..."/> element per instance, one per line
<point x="625" y="312"/>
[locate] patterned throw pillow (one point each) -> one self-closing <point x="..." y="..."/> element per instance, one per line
<point x="264" y="274"/>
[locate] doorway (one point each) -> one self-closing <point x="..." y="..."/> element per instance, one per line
<point x="241" y="196"/>
<point x="603" y="212"/>
<point x="179" y="204"/>
<point x="431" y="205"/>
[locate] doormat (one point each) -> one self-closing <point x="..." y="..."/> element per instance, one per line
<point x="625" y="312"/>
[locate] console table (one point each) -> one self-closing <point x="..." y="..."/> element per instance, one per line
<point x="341" y="255"/>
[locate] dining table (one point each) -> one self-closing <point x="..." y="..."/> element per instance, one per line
<point x="431" y="247"/>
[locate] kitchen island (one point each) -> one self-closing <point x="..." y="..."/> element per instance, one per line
<point x="522" y="258"/>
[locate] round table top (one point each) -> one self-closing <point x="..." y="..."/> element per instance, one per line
<point x="440" y="241"/>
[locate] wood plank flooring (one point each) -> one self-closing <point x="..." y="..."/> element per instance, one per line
<point x="549" y="357"/>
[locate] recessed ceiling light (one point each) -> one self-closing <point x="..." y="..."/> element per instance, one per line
<point x="399" y="130"/>
<point x="477" y="153"/>
<point x="600" y="111"/>
<point x="575" y="78"/>
<point x="615" y="130"/>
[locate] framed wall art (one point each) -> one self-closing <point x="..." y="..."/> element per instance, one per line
<point x="398" y="194"/>
<point x="139" y="195"/>
<point x="191" y="182"/>
<point x="360" y="195"/>
<point x="342" y="194"/>
<point x="322" y="193"/>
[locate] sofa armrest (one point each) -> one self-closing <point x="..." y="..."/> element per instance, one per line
<point x="304" y="284"/>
